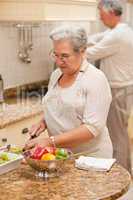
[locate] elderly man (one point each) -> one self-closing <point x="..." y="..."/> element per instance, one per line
<point x="114" y="48"/>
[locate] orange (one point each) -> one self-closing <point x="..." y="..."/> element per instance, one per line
<point x="48" y="156"/>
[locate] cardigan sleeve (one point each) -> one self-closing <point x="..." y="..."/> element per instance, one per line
<point x="98" y="99"/>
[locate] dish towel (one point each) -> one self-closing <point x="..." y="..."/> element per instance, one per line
<point x="99" y="164"/>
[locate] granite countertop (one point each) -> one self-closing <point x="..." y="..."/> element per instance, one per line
<point x="19" y="111"/>
<point x="74" y="184"/>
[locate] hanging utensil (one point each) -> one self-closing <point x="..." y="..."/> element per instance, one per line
<point x="26" y="44"/>
<point x="30" y="40"/>
<point x="25" y="53"/>
<point x="20" y="31"/>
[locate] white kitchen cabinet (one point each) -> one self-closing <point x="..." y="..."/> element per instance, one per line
<point x="13" y="132"/>
<point x="21" y="10"/>
<point x="38" y="10"/>
<point x="70" y="10"/>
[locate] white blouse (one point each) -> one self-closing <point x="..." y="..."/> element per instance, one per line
<point x="86" y="102"/>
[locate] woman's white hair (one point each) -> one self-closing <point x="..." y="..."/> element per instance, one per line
<point x="76" y="34"/>
<point x="112" y="5"/>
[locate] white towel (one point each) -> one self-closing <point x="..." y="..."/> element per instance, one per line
<point x="99" y="164"/>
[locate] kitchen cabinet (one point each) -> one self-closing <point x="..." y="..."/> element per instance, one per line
<point x="39" y="10"/>
<point x="71" y="10"/>
<point x="13" y="132"/>
<point x="11" y="10"/>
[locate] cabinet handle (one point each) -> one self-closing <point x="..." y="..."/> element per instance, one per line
<point x="4" y="139"/>
<point x="25" y="130"/>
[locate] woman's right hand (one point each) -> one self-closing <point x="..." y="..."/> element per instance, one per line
<point x="37" y="129"/>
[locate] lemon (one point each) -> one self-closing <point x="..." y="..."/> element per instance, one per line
<point x="4" y="156"/>
<point x="48" y="156"/>
<point x="16" y="150"/>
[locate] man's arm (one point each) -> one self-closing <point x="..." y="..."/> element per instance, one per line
<point x="107" y="46"/>
<point x="95" y="38"/>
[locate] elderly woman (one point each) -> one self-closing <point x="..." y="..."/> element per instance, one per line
<point x="78" y="99"/>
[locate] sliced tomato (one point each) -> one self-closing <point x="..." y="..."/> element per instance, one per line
<point x="38" y="152"/>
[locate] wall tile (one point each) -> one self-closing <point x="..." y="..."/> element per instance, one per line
<point x="13" y="70"/>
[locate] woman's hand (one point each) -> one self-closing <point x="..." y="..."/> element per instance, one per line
<point x="37" y="129"/>
<point x="43" y="142"/>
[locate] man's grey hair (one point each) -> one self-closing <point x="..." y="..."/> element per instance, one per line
<point x="112" y="5"/>
<point x="75" y="34"/>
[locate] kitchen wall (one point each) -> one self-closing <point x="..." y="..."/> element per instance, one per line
<point x="44" y="15"/>
<point x="13" y="70"/>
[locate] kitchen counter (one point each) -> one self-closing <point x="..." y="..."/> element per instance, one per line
<point x="74" y="184"/>
<point x="19" y="111"/>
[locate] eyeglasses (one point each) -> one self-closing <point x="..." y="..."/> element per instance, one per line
<point x="62" y="57"/>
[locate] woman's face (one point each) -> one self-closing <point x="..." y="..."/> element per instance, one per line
<point x="66" y="58"/>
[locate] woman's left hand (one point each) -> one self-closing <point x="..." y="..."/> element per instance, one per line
<point x="43" y="142"/>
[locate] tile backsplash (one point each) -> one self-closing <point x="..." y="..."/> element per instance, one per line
<point x="13" y="70"/>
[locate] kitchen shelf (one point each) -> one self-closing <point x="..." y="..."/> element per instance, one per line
<point x="27" y="10"/>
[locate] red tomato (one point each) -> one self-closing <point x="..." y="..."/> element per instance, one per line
<point x="38" y="152"/>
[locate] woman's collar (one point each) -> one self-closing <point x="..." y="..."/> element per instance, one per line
<point x="83" y="68"/>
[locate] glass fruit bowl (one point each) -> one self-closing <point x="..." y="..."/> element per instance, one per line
<point x="48" y="168"/>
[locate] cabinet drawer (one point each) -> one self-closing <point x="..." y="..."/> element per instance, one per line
<point x="13" y="133"/>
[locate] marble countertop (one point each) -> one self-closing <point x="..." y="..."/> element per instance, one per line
<point x="74" y="184"/>
<point x="15" y="112"/>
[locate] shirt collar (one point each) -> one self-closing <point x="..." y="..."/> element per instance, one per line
<point x="83" y="68"/>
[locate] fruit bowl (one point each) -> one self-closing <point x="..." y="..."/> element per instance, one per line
<point x="48" y="168"/>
